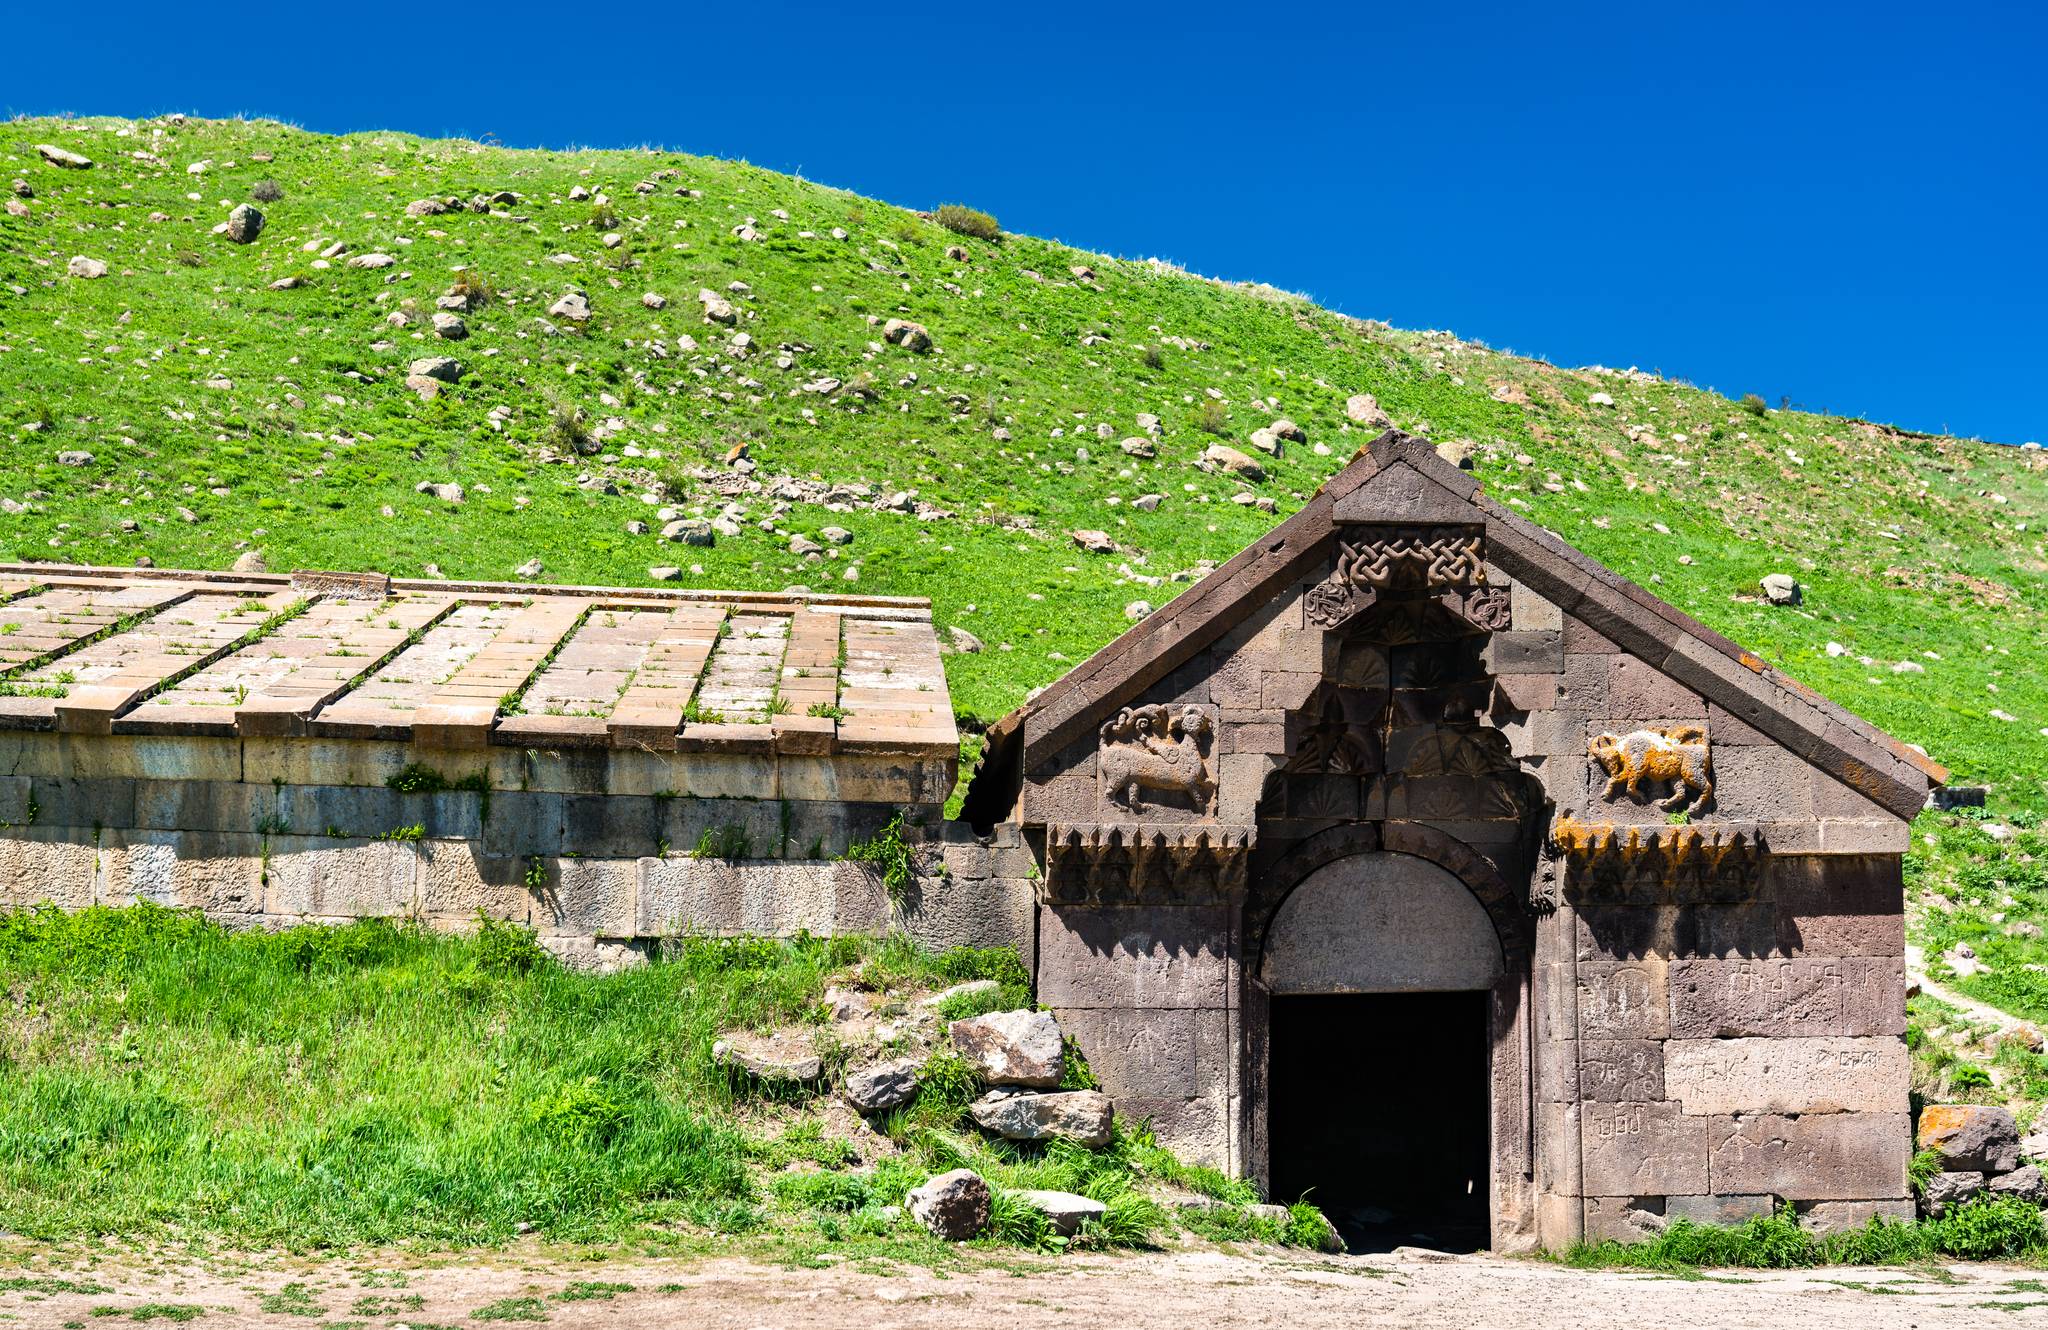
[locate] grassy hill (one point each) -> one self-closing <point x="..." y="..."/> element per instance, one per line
<point x="235" y="397"/>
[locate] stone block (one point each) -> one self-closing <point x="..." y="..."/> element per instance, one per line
<point x="17" y="804"/>
<point x="1838" y="905"/>
<point x="457" y="882"/>
<point x="612" y="826"/>
<point x="1726" y="729"/>
<point x="1524" y="653"/>
<point x="103" y="801"/>
<point x="1889" y="836"/>
<point x="1531" y="613"/>
<point x="1631" y="932"/>
<point x="315" y="876"/>
<point x="1815" y="1157"/>
<point x="1173" y="1054"/>
<point x="1557" y="1071"/>
<point x="1794" y="1075"/>
<point x="198" y="805"/>
<point x="593" y="897"/>
<point x="58" y="865"/>
<point x="1623" y="1218"/>
<point x="1620" y="1071"/>
<point x="523" y="824"/>
<point x="1854" y="995"/>
<point x="322" y="761"/>
<point x="961" y="911"/>
<point x="149" y="757"/>
<point x="1197" y="1130"/>
<point x="218" y="873"/>
<point x="1762" y="784"/>
<point x="1142" y="957"/>
<point x="1644" y="1150"/>
<point x="1841" y="1216"/>
<point x="1560" y="1149"/>
<point x="1623" y="999"/>
<point x="1724" y="1211"/>
<point x="360" y="812"/>
<point x="1640" y="692"/>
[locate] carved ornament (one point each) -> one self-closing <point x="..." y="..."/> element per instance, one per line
<point x="1098" y="864"/>
<point x="1605" y="864"/>
<point x="1157" y="747"/>
<point x="1677" y="757"/>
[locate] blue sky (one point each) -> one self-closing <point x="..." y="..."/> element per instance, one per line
<point x="1846" y="206"/>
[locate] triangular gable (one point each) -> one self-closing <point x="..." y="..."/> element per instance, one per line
<point x="1398" y="478"/>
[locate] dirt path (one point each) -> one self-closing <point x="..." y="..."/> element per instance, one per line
<point x="1170" y="1291"/>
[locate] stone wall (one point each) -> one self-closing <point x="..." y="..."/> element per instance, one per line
<point x="1712" y="1060"/>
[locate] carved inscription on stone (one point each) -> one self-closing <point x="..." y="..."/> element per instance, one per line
<point x="1725" y="999"/>
<point x="1157" y="747"/>
<point x="1676" y="757"/>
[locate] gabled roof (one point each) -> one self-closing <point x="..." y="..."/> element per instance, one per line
<point x="1399" y="478"/>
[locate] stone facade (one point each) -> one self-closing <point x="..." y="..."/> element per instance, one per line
<point x="606" y="767"/>
<point x="1409" y="741"/>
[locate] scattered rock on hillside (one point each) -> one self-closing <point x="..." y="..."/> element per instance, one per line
<point x="83" y="267"/>
<point x="962" y="641"/>
<point x="285" y="284"/>
<point x="1971" y="1137"/>
<point x="1460" y="453"/>
<point x="1219" y="457"/>
<point x="2025" y="1182"/>
<point x="252" y="562"/>
<point x="1146" y="503"/>
<point x="1600" y="399"/>
<point x="1012" y="1047"/>
<point x="835" y="535"/>
<point x="1284" y="428"/>
<point x="1783" y="589"/>
<point x="884" y="1086"/>
<point x="450" y="327"/>
<point x="1138" y="609"/>
<point x="717" y="309"/>
<point x="969" y="988"/>
<point x="426" y="207"/>
<point x="244" y="224"/>
<point x="1082" y="1116"/>
<point x="1265" y="440"/>
<point x="953" y="1206"/>
<point x="1095" y="542"/>
<point x="371" y="261"/>
<point x="956" y="253"/>
<point x="654" y="300"/>
<point x="1140" y="448"/>
<point x="1364" y="409"/>
<point x="910" y="336"/>
<point x="689" y="531"/>
<point x="448" y="492"/>
<point x="531" y="568"/>
<point x="779" y="1058"/>
<point x="73" y="457"/>
<point x="1066" y="1210"/>
<point x="63" y="157"/>
<point x="574" y="304"/>
<point x="445" y="368"/>
<point x="663" y="572"/>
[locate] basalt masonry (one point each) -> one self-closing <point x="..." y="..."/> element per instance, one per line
<point x="1409" y="743"/>
<point x="609" y="767"/>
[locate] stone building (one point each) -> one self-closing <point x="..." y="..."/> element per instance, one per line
<point x="1415" y="858"/>
<point x="1411" y="859"/>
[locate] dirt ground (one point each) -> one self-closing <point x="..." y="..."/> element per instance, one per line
<point x="1168" y="1291"/>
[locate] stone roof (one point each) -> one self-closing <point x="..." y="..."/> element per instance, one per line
<point x="1400" y="478"/>
<point x="467" y="664"/>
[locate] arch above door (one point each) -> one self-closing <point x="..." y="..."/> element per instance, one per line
<point x="1380" y="922"/>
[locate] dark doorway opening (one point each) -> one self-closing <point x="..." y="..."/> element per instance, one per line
<point x="1378" y="1114"/>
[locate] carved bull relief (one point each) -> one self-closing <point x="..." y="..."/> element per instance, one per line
<point x="1157" y="747"/>
<point x="1677" y="757"/>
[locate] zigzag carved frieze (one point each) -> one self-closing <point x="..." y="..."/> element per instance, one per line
<point x="1100" y="864"/>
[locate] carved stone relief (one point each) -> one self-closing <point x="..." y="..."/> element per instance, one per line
<point x="1677" y="757"/>
<point x="1098" y="865"/>
<point x="1157" y="747"/>
<point x="1687" y="864"/>
<point x="1447" y="562"/>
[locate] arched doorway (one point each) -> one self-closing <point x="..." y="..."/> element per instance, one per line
<point x="1379" y="971"/>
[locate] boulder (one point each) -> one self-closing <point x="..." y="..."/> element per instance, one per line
<point x="449" y="327"/>
<point x="970" y="988"/>
<point x="962" y="641"/>
<point x="244" y="224"/>
<point x="371" y="261"/>
<point x="445" y="368"/>
<point x="1284" y="428"/>
<point x="1095" y="542"/>
<point x="252" y="562"/>
<point x="1066" y="1210"/>
<point x="573" y="305"/>
<point x="690" y="531"/>
<point x="1971" y="1137"/>
<point x="2025" y="1182"/>
<point x="1138" y="609"/>
<point x="63" y="157"/>
<point x="81" y="266"/>
<point x="449" y="492"/>
<point x="1946" y="1189"/>
<point x="1600" y="399"/>
<point x="910" y="336"/>
<point x="953" y="1206"/>
<point x="664" y="572"/>
<point x="1782" y="589"/>
<point x="779" y="1061"/>
<point x="74" y="457"/>
<point x="835" y="535"/>
<point x="717" y="309"/>
<point x="1460" y="453"/>
<point x="1364" y="409"/>
<point x="654" y="300"/>
<point x="1266" y="441"/>
<point x="884" y="1086"/>
<point x="1012" y="1047"/>
<point x="1139" y="447"/>
<point x="1146" y="503"/>
<point x="1074" y="1115"/>
<point x="1217" y="457"/>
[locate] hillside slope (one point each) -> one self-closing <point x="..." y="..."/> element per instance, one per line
<point x="205" y="398"/>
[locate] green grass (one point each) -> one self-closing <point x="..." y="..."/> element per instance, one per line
<point x="371" y="1084"/>
<point x="1986" y="1228"/>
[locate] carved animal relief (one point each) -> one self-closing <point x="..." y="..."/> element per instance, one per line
<point x="1676" y="757"/>
<point x="1157" y="747"/>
